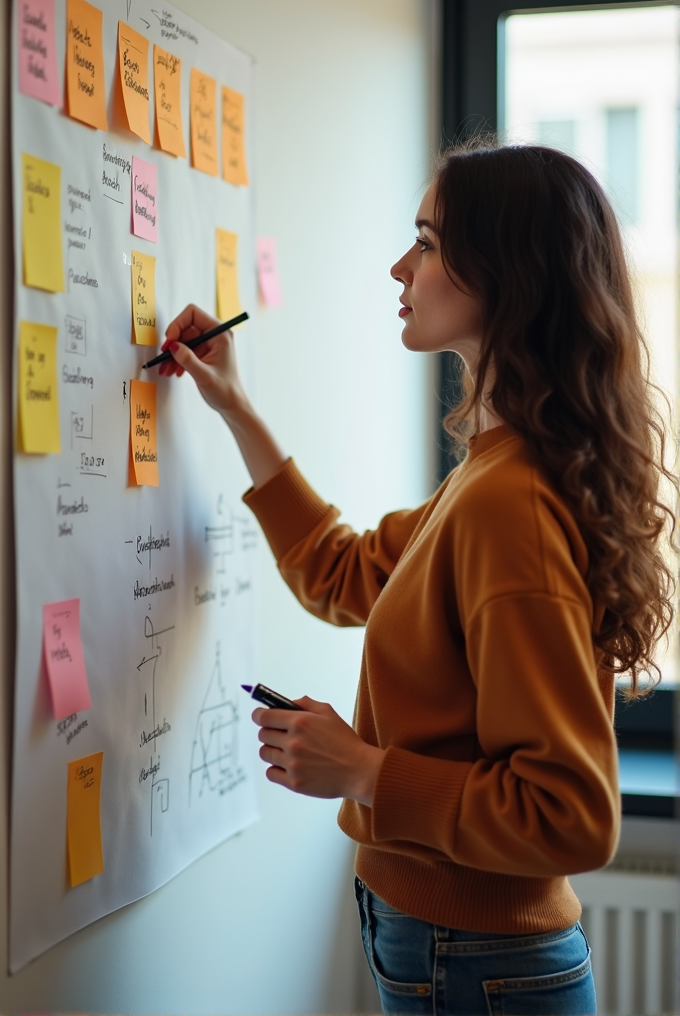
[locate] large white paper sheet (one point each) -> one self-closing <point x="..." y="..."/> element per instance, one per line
<point x="165" y="575"/>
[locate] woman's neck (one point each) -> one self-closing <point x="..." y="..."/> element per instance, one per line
<point x="488" y="419"/>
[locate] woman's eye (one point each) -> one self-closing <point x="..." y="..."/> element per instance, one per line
<point x="424" y="244"/>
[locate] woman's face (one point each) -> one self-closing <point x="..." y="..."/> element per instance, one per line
<point x="438" y="313"/>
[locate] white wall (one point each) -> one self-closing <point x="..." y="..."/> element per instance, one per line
<point x="344" y="119"/>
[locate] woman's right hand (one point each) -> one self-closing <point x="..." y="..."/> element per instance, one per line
<point x="213" y="366"/>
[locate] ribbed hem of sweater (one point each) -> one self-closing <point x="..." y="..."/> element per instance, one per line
<point x="413" y="793"/>
<point x="453" y="896"/>
<point x="286" y="507"/>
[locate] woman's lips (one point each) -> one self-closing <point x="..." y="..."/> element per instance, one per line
<point x="404" y="311"/>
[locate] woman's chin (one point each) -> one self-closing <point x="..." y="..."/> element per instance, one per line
<point x="410" y="338"/>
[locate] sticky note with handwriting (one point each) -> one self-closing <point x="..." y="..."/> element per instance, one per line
<point x="133" y="66"/>
<point x="85" y="82"/>
<point x="38" y="394"/>
<point x="41" y="224"/>
<point x="37" y="49"/>
<point x="143" y="468"/>
<point x="144" y="199"/>
<point x="83" y="818"/>
<point x="228" y="302"/>
<point x="268" y="272"/>
<point x="144" y="298"/>
<point x="64" y="660"/>
<point x="233" y="138"/>
<point x="203" y="122"/>
<point x="167" y="75"/>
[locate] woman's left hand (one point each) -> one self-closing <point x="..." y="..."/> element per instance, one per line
<point x="316" y="753"/>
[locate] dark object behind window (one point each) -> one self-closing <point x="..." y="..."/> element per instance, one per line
<point x="647" y="724"/>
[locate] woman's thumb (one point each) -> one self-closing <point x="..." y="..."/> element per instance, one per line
<point x="188" y="361"/>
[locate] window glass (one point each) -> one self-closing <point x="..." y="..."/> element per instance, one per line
<point x="602" y="85"/>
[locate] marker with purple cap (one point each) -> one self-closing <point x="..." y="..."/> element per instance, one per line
<point x="271" y="699"/>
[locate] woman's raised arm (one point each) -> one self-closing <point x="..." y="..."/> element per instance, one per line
<point x="214" y="369"/>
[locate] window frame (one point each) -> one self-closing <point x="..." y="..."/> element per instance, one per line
<point x="473" y="99"/>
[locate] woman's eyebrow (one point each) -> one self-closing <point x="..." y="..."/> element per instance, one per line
<point x="425" y="222"/>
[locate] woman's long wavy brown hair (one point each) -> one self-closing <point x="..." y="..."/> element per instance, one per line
<point x="532" y="235"/>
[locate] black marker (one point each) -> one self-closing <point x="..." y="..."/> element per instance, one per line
<point x="270" y="698"/>
<point x="192" y="343"/>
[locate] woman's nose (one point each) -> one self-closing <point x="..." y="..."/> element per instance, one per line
<point x="400" y="272"/>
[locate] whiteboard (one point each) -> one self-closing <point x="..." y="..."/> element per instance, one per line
<point x="166" y="575"/>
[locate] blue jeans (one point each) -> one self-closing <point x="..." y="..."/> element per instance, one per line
<point x="425" y="968"/>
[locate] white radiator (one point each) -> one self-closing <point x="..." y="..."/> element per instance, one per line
<point x="630" y="916"/>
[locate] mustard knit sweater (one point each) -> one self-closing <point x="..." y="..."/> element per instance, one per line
<point x="480" y="679"/>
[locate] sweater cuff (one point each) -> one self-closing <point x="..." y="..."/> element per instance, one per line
<point x="417" y="798"/>
<point x="286" y="507"/>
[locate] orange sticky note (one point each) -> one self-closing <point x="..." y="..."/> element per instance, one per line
<point x="83" y="818"/>
<point x="41" y="222"/>
<point x="144" y="298"/>
<point x="143" y="469"/>
<point x="38" y="389"/>
<point x="228" y="302"/>
<point x="85" y="82"/>
<point x="167" y="73"/>
<point x="233" y="138"/>
<point x="203" y="122"/>
<point x="133" y="64"/>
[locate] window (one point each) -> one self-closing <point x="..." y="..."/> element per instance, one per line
<point x="601" y="84"/>
<point x="622" y="161"/>
<point x="557" y="134"/>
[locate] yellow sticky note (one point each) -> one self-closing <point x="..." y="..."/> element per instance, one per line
<point x="228" y="302"/>
<point x="143" y="464"/>
<point x="233" y="138"/>
<point x="203" y="122"/>
<point x="85" y="82"/>
<point x="167" y="73"/>
<point x="83" y="819"/>
<point x="144" y="298"/>
<point x="38" y="393"/>
<point x="43" y="258"/>
<point x="133" y="64"/>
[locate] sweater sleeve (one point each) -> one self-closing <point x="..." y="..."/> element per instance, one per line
<point x="544" y="800"/>
<point x="335" y="573"/>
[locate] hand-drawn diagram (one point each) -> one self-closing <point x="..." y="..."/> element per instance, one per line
<point x="222" y="535"/>
<point x="160" y="786"/>
<point x="75" y="335"/>
<point x="214" y="755"/>
<point x="82" y="425"/>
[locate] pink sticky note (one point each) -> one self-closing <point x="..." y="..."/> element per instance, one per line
<point x="38" y="76"/>
<point x="144" y="199"/>
<point x="64" y="661"/>
<point x="268" y="272"/>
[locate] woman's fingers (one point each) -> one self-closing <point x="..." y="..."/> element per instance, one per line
<point x="192" y="317"/>
<point x="185" y="336"/>
<point x="311" y="705"/>
<point x="188" y="361"/>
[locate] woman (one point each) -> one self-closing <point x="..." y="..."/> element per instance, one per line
<point x="482" y="767"/>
